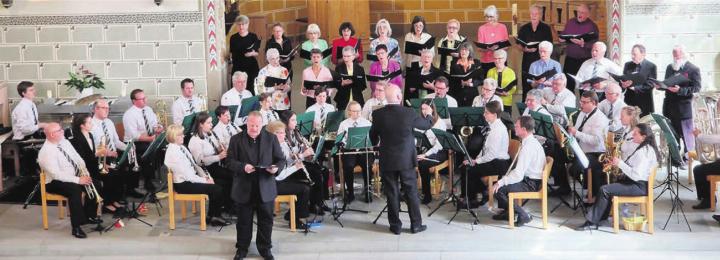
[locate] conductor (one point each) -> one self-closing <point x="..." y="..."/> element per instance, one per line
<point x="392" y="128"/>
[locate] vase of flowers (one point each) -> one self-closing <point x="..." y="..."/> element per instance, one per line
<point x="84" y="81"/>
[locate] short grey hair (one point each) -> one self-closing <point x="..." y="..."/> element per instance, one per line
<point x="239" y="75"/>
<point x="500" y="54"/>
<point x="536" y="93"/>
<point x="491" y="10"/>
<point x="546" y="45"/>
<point x="348" y="49"/>
<point x="602" y="45"/>
<point x="242" y="19"/>
<point x="384" y="23"/>
<point x="428" y="52"/>
<point x="560" y="77"/>
<point x="272" y="53"/>
<point x="491" y="82"/>
<point x="680" y="48"/>
<point x="313" y="28"/>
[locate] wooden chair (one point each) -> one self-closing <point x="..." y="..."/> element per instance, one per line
<point x="646" y="200"/>
<point x="713" y="180"/>
<point x="45" y="196"/>
<point x="174" y="196"/>
<point x="436" y="174"/>
<point x="290" y="200"/>
<point x="513" y="149"/>
<point x="537" y="195"/>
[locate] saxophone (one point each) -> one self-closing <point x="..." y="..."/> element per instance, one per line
<point x="612" y="150"/>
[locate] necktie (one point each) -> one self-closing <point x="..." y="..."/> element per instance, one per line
<point x="355" y="124"/>
<point x="107" y="136"/>
<point x="192" y="108"/>
<point x="147" y="124"/>
<point x="72" y="162"/>
<point x="269" y="119"/>
<point x="190" y="159"/>
<point x="637" y="68"/>
<point x="322" y="112"/>
<point x="34" y="114"/>
<point x="228" y="130"/>
<point x="610" y="112"/>
<point x="594" y="71"/>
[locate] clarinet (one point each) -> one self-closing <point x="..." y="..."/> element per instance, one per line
<point x="296" y="157"/>
<point x="217" y="150"/>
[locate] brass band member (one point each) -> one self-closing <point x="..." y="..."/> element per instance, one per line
<point x="209" y="152"/>
<point x="533" y="101"/>
<point x="225" y="128"/>
<point x="590" y="129"/>
<point x="186" y="104"/>
<point x="84" y="144"/>
<point x="635" y="166"/>
<point x="236" y="94"/>
<point x="351" y="160"/>
<point x="377" y="101"/>
<point x="612" y="105"/>
<point x="114" y="181"/>
<point x="492" y="160"/>
<point x="189" y="178"/>
<point x="321" y="107"/>
<point x="527" y="174"/>
<point x="25" y="124"/>
<point x="487" y="94"/>
<point x="266" y="110"/>
<point x="350" y="89"/>
<point x="141" y="126"/>
<point x="62" y="164"/>
<point x="291" y="181"/>
<point x="557" y="98"/>
<point x="435" y="153"/>
<point x="702" y="171"/>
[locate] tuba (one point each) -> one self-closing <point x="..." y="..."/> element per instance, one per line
<point x="161" y="111"/>
<point x="706" y="120"/>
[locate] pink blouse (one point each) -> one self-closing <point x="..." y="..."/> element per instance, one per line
<point x="490" y="34"/>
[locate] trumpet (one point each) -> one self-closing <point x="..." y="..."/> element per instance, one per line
<point x="102" y="160"/>
<point x="132" y="157"/>
<point x="92" y="193"/>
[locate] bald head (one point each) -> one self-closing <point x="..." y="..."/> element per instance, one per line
<point x="101" y="109"/>
<point x="53" y="132"/>
<point x="393" y="94"/>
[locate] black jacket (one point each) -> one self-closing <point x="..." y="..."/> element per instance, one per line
<point x="642" y="95"/>
<point x="393" y="128"/>
<point x="357" y="87"/>
<point x="87" y="152"/>
<point x="679" y="105"/>
<point x="238" y="157"/>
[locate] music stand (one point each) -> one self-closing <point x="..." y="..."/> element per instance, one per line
<point x="248" y="105"/>
<point x="441" y="105"/>
<point x="582" y="160"/>
<point x="333" y="120"/>
<point x="358" y="142"/>
<point x="154" y="145"/>
<point x="467" y="116"/>
<point x="672" y="181"/>
<point x="305" y="123"/>
<point x="188" y="122"/>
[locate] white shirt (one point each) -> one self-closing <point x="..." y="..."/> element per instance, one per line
<point x="179" y="160"/>
<point x="234" y="98"/>
<point x="134" y="122"/>
<point x="112" y="139"/>
<point x="602" y="68"/>
<point x="591" y="137"/>
<point x="56" y="165"/>
<point x="182" y="107"/>
<point x="530" y="162"/>
<point x="24" y="119"/>
<point x="450" y="100"/>
<point x="368" y="108"/>
<point x="349" y="123"/>
<point x="226" y="131"/>
<point x="436" y="145"/>
<point x="203" y="150"/>
<point x="268" y="116"/>
<point x="556" y="103"/>
<point x="496" y="143"/>
<point x="289" y="163"/>
<point x="479" y="101"/>
<point x="321" y="112"/>
<point x="539" y="109"/>
<point x="614" y="118"/>
<point x="637" y="167"/>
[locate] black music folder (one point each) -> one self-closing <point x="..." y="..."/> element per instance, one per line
<point x="415" y="48"/>
<point x="473" y="73"/>
<point x="255" y="46"/>
<point x="676" y="79"/>
<point x="585" y="36"/>
<point x="636" y="78"/>
<point x="311" y="85"/>
<point x="500" y="45"/>
<point x="529" y="45"/>
<point x="546" y="74"/>
<point x="272" y="81"/>
<point x="291" y="53"/>
<point x="391" y="75"/>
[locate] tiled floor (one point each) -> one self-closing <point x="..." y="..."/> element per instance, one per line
<point x="21" y="236"/>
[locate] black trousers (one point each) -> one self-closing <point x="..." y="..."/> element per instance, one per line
<point x="73" y="192"/>
<point x="702" y="186"/>
<point x="424" y="169"/>
<point x="475" y="184"/>
<point x="147" y="169"/>
<point x="558" y="171"/>
<point x="319" y="176"/>
<point x="244" y="226"/>
<point x="392" y="180"/>
<point x="349" y="163"/>
<point x="214" y="192"/>
<point x="626" y="187"/>
<point x="572" y="66"/>
<point x="112" y="185"/>
<point x="299" y="189"/>
<point x="28" y="160"/>
<point x="598" y="177"/>
<point x="224" y="178"/>
<point x="526" y="185"/>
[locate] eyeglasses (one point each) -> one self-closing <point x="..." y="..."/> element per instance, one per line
<point x="453" y="27"/>
<point x="488" y="89"/>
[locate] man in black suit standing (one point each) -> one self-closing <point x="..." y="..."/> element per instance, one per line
<point x="677" y="105"/>
<point x="254" y="156"/>
<point x="393" y="128"/>
<point x="640" y="95"/>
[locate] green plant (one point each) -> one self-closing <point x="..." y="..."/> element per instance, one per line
<point x="82" y="78"/>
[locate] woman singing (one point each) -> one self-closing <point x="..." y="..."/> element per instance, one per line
<point x="352" y="79"/>
<point x="465" y="89"/>
<point x="347" y="39"/>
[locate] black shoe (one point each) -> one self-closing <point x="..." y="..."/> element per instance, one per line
<point x="93" y="220"/>
<point x="587" y="225"/>
<point x="521" y="221"/>
<point x="559" y="193"/>
<point x="135" y="194"/>
<point x="418" y="229"/>
<point x="483" y="201"/>
<point x="395" y="230"/>
<point x="78" y="232"/>
<point x="716" y="218"/>
<point x="704" y="204"/>
<point x="267" y="255"/>
<point x="500" y="216"/>
<point x="240" y="254"/>
<point x="300" y="225"/>
<point x="287" y="216"/>
<point x="426" y="200"/>
<point x="218" y="222"/>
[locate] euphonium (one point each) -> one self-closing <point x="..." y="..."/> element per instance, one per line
<point x="161" y="110"/>
<point x="706" y="120"/>
<point x="466" y="131"/>
<point x="102" y="160"/>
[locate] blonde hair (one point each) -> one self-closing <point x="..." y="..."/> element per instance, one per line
<point x="173" y="131"/>
<point x="313" y="28"/>
<point x="383" y="22"/>
<point x="275" y="126"/>
<point x="347" y="108"/>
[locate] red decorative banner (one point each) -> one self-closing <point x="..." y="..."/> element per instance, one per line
<point x="212" y="36"/>
<point x="615" y="51"/>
